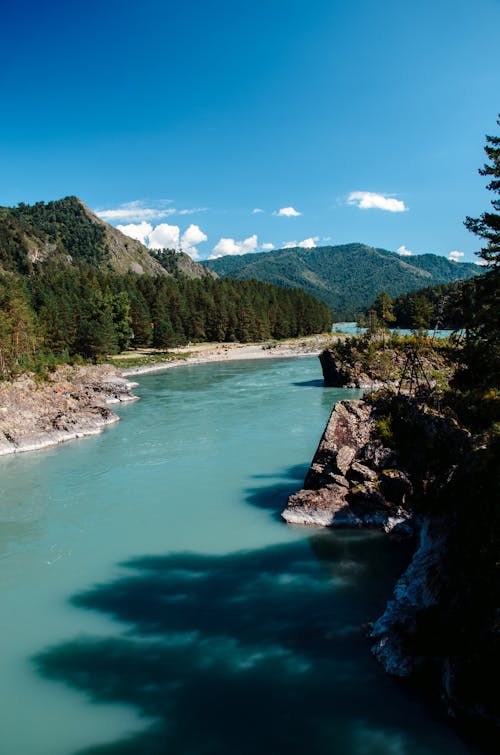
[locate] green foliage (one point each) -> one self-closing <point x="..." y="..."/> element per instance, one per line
<point x="345" y="277"/>
<point x="179" y="264"/>
<point x="65" y="224"/>
<point x="152" y="358"/>
<point x="14" y="244"/>
<point x="380" y="316"/>
<point x="444" y="306"/>
<point x="474" y="542"/>
<point x="18" y="328"/>
<point x="383" y="358"/>
<point x="487" y="226"/>
<point x="477" y="382"/>
<point x="428" y="443"/>
<point x="383" y="308"/>
<point x="384" y="429"/>
<point x="70" y="312"/>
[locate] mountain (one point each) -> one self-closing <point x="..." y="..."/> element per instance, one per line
<point x="74" y="287"/>
<point x="347" y="278"/>
<point x="66" y="232"/>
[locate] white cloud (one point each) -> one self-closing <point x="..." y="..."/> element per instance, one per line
<point x="482" y="263"/>
<point x="192" y="236"/>
<point x="227" y="246"/>
<point x="134" y="213"/>
<point x="455" y="256"/>
<point x="256" y="210"/>
<point x="403" y="251"/>
<point x="309" y="243"/>
<point x="164" y="236"/>
<point x="139" y="211"/>
<point x="287" y="212"/>
<point x="368" y="200"/>
<point x="192" y="211"/>
<point x="267" y="247"/>
<point x="138" y="231"/>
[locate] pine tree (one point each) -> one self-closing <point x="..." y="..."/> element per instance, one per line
<point x="18" y="337"/>
<point x="480" y="378"/>
<point x="487" y="226"/>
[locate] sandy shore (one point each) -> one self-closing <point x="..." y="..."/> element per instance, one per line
<point x="204" y="353"/>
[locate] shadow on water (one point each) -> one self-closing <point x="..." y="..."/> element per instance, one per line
<point x="273" y="497"/>
<point x="257" y="651"/>
<point x="310" y="384"/>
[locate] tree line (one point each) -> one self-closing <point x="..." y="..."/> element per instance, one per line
<point x="61" y="313"/>
<point x="446" y="306"/>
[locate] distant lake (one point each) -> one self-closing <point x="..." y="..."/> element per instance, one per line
<point x="154" y="602"/>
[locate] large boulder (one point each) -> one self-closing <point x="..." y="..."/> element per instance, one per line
<point x="345" y="485"/>
<point x="347" y="431"/>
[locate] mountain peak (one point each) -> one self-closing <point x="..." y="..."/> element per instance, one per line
<point x="68" y="231"/>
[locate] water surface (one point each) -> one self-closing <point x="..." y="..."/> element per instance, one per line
<point x="154" y="602"/>
<point x="352" y="329"/>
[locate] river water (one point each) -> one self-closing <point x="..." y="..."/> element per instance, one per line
<point x="153" y="602"/>
<point x="351" y="329"/>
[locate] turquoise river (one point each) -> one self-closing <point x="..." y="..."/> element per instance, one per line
<point x="154" y="602"/>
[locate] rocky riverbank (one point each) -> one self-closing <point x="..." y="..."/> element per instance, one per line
<point x="370" y="365"/>
<point x="398" y="465"/>
<point x="72" y="402"/>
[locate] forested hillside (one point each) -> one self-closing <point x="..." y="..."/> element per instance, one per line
<point x="344" y="277"/>
<point x="73" y="287"/>
<point x="66" y="232"/>
<point x="59" y="314"/>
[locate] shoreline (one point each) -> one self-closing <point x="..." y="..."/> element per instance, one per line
<point x="74" y="402"/>
<point x="221" y="352"/>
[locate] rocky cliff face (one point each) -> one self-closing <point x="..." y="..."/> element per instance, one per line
<point x="419" y="590"/>
<point x="353" y="481"/>
<point x="72" y="403"/>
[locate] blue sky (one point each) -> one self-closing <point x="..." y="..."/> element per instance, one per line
<point x="339" y="121"/>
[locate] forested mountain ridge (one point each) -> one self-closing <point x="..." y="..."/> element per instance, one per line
<point x="72" y="287"/>
<point x="66" y="232"/>
<point x="345" y="277"/>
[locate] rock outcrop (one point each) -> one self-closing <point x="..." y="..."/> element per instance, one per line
<point x="352" y="481"/>
<point x="418" y="590"/>
<point x="72" y="403"/>
<point x="353" y="365"/>
<point x="441" y="622"/>
<point x="339" y="373"/>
